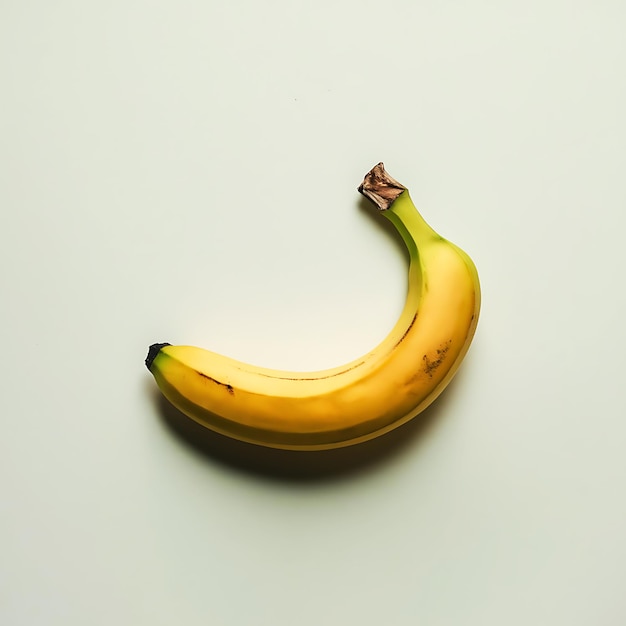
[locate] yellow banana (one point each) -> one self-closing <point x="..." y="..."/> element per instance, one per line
<point x="360" y="400"/>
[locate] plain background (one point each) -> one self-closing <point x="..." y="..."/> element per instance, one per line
<point x="186" y="172"/>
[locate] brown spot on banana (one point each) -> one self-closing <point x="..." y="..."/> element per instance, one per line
<point x="430" y="365"/>
<point x="406" y="332"/>
<point x="229" y="388"/>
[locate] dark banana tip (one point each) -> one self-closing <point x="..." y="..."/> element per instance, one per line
<point x="153" y="350"/>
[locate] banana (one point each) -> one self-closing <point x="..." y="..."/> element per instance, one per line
<point x="357" y="401"/>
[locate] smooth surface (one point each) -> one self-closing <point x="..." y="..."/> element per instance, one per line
<point x="187" y="172"/>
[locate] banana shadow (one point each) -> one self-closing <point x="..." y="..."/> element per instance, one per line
<point x="302" y="466"/>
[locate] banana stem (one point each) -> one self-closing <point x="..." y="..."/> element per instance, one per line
<point x="380" y="188"/>
<point x="393" y="200"/>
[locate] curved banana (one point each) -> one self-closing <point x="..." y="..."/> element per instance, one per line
<point x="360" y="400"/>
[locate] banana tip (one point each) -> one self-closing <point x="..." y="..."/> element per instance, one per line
<point x="153" y="350"/>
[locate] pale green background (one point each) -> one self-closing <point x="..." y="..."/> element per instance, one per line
<point x="186" y="172"/>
